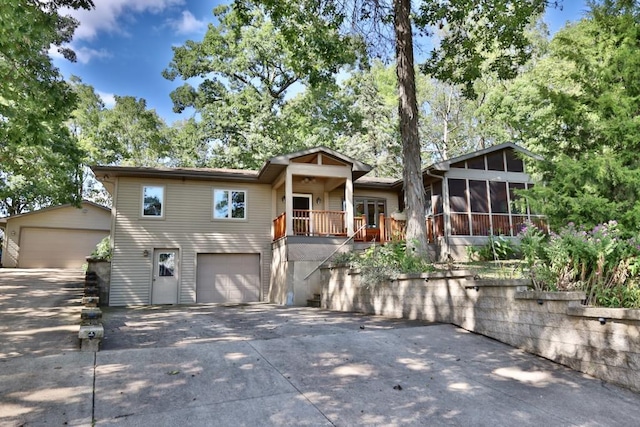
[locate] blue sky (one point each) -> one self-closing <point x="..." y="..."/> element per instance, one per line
<point x="123" y="45"/>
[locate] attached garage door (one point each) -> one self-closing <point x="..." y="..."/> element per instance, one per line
<point x="228" y="278"/>
<point x="56" y="247"/>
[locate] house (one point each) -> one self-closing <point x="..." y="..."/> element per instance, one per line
<point x="54" y="237"/>
<point x="473" y="196"/>
<point x="187" y="235"/>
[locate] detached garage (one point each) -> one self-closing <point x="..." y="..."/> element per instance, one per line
<point x="228" y="278"/>
<point x="55" y="237"/>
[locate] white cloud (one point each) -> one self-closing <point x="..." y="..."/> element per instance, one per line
<point x="83" y="54"/>
<point x="187" y="24"/>
<point x="86" y="54"/>
<point x="107" y="13"/>
<point x="109" y="99"/>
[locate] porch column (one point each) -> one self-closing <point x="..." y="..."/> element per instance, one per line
<point x="348" y="198"/>
<point x="288" y="202"/>
<point x="446" y="216"/>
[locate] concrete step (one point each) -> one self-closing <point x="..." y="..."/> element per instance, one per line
<point x="316" y="301"/>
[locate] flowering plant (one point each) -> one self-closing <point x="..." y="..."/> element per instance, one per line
<point x="598" y="261"/>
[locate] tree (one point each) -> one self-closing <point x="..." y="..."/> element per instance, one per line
<point x="377" y="143"/>
<point x="247" y="69"/>
<point x="189" y="147"/>
<point x="477" y="28"/>
<point x="132" y="135"/>
<point x="579" y="109"/>
<point x="35" y="102"/>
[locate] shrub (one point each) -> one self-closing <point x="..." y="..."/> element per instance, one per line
<point x="103" y="249"/>
<point x="598" y="261"/>
<point x="497" y="248"/>
<point x="380" y="263"/>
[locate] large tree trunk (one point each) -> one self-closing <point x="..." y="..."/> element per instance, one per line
<point x="408" y="111"/>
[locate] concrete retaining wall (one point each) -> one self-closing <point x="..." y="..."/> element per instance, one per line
<point x="604" y="343"/>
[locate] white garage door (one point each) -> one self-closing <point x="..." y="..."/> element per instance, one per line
<point x="228" y="278"/>
<point x="56" y="247"/>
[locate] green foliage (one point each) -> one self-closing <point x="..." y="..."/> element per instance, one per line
<point x="103" y="249"/>
<point x="578" y="108"/>
<point x="248" y="66"/>
<point x="381" y="263"/>
<point x="482" y="36"/>
<point x="599" y="261"/>
<point x="497" y="248"/>
<point x="39" y="160"/>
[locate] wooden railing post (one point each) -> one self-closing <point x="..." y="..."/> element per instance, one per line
<point x="383" y="228"/>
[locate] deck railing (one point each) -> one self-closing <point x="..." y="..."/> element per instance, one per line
<point x="395" y="229"/>
<point x="333" y="223"/>
<point x="485" y="224"/>
<point x="311" y="223"/>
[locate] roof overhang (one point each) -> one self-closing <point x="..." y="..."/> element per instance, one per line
<point x="441" y="167"/>
<point x="268" y="174"/>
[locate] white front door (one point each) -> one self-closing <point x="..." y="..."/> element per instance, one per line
<point x="164" y="289"/>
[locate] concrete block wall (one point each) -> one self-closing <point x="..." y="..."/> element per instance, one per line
<point x="102" y="269"/>
<point x="604" y="343"/>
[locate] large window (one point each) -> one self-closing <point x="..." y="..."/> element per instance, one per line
<point x="458" y="195"/>
<point x="371" y="209"/>
<point x="480" y="208"/>
<point x="153" y="201"/>
<point x="229" y="204"/>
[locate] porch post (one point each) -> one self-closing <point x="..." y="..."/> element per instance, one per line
<point x="348" y="198"/>
<point x="288" y="202"/>
<point x="446" y="216"/>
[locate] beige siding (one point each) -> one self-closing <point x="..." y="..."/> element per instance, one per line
<point x="187" y="226"/>
<point x="88" y="217"/>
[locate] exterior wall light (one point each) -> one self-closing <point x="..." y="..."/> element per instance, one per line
<point x="145" y="253"/>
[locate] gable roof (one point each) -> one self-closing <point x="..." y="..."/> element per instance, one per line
<point x="275" y="165"/>
<point x="446" y="164"/>
<point x="51" y="208"/>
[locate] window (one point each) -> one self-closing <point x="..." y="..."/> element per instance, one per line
<point x="152" y="201"/>
<point x="514" y="163"/>
<point x="166" y="264"/>
<point x="495" y="161"/>
<point x="498" y="191"/>
<point x="478" y="196"/>
<point x="437" y="198"/>
<point x="476" y="163"/>
<point x="229" y="204"/>
<point x="371" y="209"/>
<point x="458" y="195"/>
<point x="514" y="187"/>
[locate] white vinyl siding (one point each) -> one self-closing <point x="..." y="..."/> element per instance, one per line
<point x="187" y="226"/>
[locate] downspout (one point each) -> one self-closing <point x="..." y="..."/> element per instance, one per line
<point x="445" y="212"/>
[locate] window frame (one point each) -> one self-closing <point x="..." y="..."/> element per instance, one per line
<point x="163" y="203"/>
<point x="366" y="200"/>
<point x="230" y="216"/>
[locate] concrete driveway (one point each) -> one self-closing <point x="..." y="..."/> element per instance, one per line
<point x="261" y="364"/>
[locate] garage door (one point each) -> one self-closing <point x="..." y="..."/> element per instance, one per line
<point x="228" y="278"/>
<point x="56" y="247"/>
